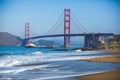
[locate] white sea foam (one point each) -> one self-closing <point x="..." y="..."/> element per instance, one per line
<point x="12" y="71"/>
<point x="9" y="62"/>
<point x="78" y="50"/>
<point x="41" y="57"/>
<point x="69" y="58"/>
<point x="21" y="69"/>
<point x="37" y="53"/>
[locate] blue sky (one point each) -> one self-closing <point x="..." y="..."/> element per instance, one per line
<point x="95" y="15"/>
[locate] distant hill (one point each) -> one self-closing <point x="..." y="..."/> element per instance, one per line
<point x="45" y="42"/>
<point x="7" y="39"/>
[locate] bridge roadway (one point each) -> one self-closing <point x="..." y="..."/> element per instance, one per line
<point x="80" y="34"/>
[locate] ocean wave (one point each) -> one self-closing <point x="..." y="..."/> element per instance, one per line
<point x="37" y="53"/>
<point x="37" y="57"/>
<point x="21" y="69"/>
<point x="9" y="62"/>
<point x="5" y="53"/>
<point x="57" y="65"/>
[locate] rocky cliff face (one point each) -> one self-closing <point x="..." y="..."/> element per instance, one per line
<point x="7" y="39"/>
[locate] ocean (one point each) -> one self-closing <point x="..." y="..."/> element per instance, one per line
<point x="20" y="63"/>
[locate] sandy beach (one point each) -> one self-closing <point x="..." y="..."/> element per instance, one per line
<point x="115" y="59"/>
<point x="112" y="75"/>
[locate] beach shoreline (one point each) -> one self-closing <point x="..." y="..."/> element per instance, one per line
<point x="111" y="75"/>
<point x="111" y="59"/>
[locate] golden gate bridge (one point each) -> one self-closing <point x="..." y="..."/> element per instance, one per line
<point x="90" y="39"/>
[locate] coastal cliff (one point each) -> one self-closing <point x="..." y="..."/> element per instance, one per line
<point x="7" y="39"/>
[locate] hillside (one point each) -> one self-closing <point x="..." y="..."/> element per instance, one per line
<point x="112" y="44"/>
<point x="45" y="42"/>
<point x="7" y="39"/>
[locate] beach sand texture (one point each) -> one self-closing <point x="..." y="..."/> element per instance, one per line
<point x="115" y="59"/>
<point x="112" y="75"/>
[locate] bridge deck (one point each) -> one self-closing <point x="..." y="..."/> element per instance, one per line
<point x="60" y="35"/>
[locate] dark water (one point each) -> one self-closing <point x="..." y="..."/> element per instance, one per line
<point x="21" y="63"/>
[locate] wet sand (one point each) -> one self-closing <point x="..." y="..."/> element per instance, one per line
<point x="112" y="75"/>
<point x="115" y="59"/>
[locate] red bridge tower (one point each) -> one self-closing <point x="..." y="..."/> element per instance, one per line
<point x="66" y="27"/>
<point x="27" y="30"/>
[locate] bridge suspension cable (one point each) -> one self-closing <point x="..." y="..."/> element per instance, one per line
<point x="58" y="26"/>
<point x="58" y="22"/>
<point x="74" y="24"/>
<point x="77" y="22"/>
